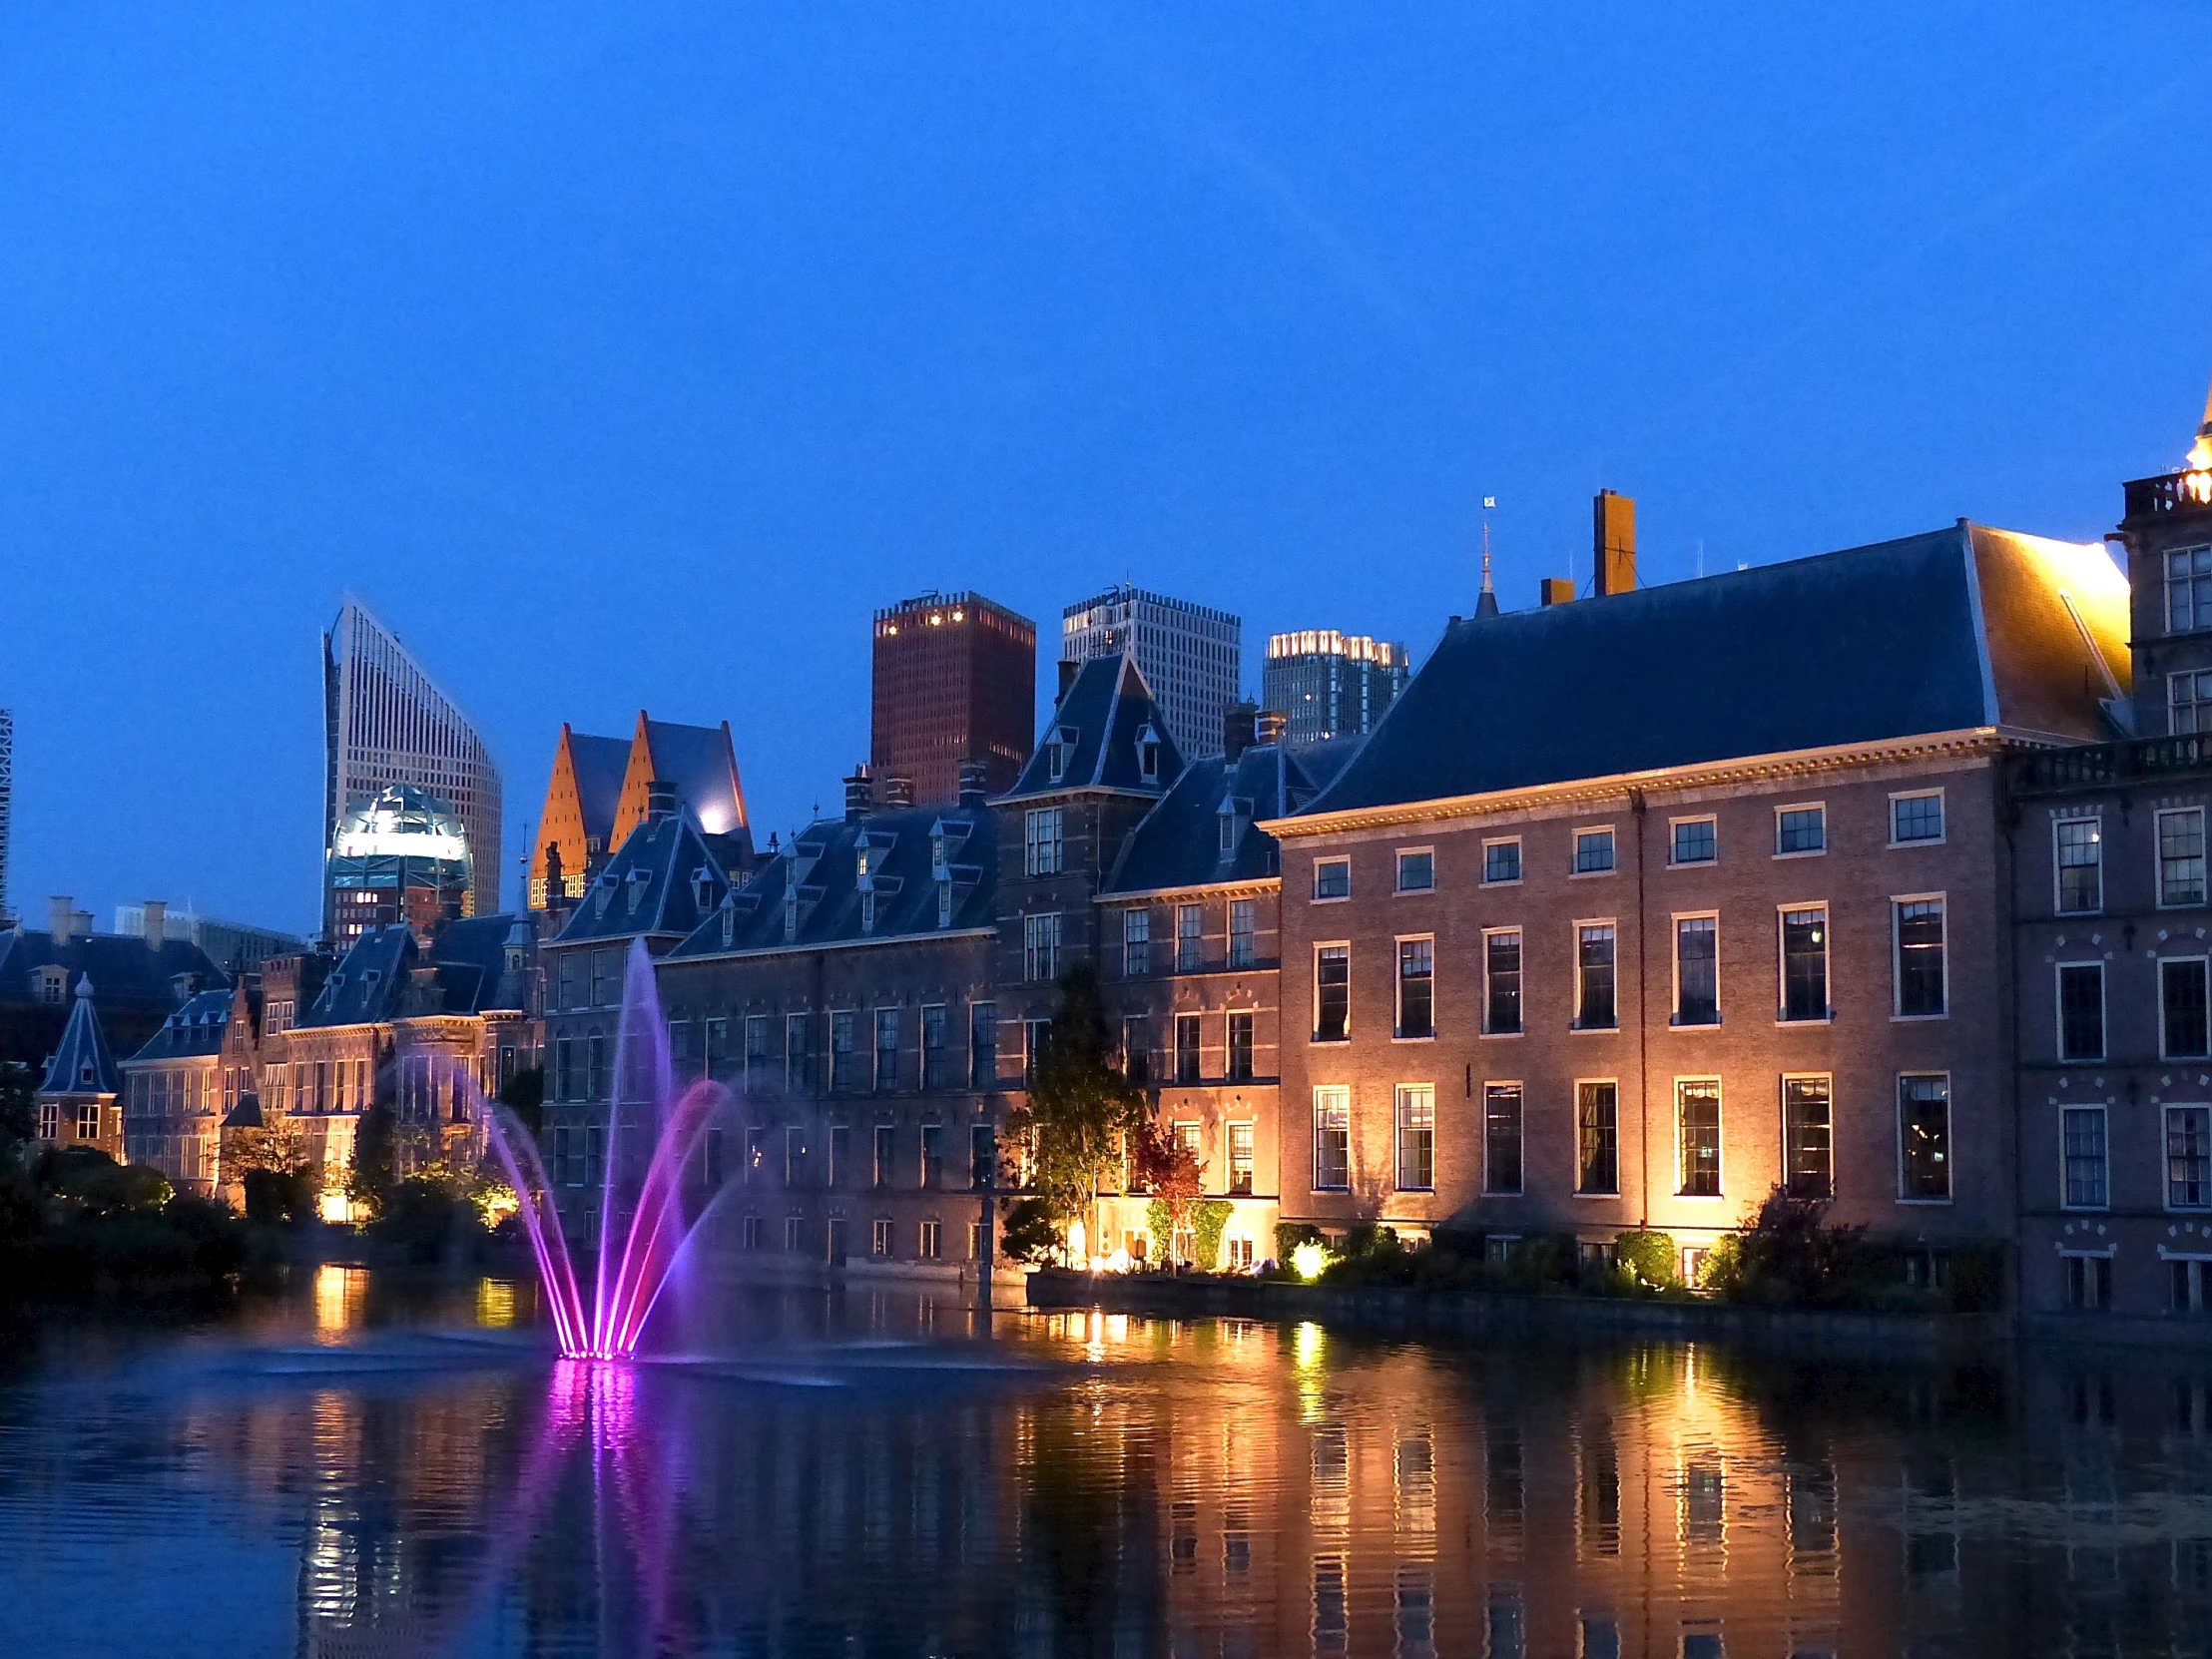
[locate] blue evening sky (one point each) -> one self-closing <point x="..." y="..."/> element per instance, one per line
<point x="627" y="355"/>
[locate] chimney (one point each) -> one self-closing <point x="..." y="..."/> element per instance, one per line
<point x="859" y="793"/>
<point x="1068" y="672"/>
<point x="1613" y="541"/>
<point x="156" y="921"/>
<point x="897" y="793"/>
<point x="974" y="787"/>
<point x="1270" y="726"/>
<point x="1240" y="728"/>
<point x="1556" y="590"/>
<point x="61" y="918"/>
<point x="659" y="799"/>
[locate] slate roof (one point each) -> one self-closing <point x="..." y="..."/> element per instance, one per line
<point x="1099" y="721"/>
<point x="82" y="1063"/>
<point x="822" y="867"/>
<point x="126" y="972"/>
<point x="599" y="763"/>
<point x="1178" y="842"/>
<point x="370" y="983"/>
<point x="701" y="761"/>
<point x="651" y="884"/>
<point x="1964" y="628"/>
<point x="193" y="1031"/>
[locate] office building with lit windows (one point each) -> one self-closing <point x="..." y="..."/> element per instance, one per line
<point x="1191" y="656"/>
<point x="388" y="725"/>
<point x="7" y="806"/>
<point x="1330" y="685"/>
<point x="955" y="685"/>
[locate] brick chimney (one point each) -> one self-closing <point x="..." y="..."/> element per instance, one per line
<point x="975" y="783"/>
<point x="1555" y="590"/>
<point x="1613" y="542"/>
<point x="1068" y="672"/>
<point x="659" y="799"/>
<point x="61" y="918"/>
<point x="1270" y="726"/>
<point x="1240" y="728"/>
<point x="859" y="793"/>
<point x="156" y="922"/>
<point x="897" y="793"/>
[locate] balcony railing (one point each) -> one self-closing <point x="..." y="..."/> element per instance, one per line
<point x="2108" y="765"/>
<point x="2174" y="492"/>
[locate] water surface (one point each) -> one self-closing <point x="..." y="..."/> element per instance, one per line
<point x="358" y="1471"/>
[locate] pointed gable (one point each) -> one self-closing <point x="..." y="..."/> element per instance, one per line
<point x="581" y="800"/>
<point x="699" y="760"/>
<point x="1106" y="733"/>
<point x="82" y="1064"/>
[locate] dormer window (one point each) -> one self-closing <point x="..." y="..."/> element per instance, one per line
<point x="1057" y="750"/>
<point x="939" y="867"/>
<point x="1148" y="754"/>
<point x="944" y="903"/>
<point x="791" y="915"/>
<point x="703" y="886"/>
<point x="48" y="984"/>
<point x="863" y="862"/>
<point x="867" y="913"/>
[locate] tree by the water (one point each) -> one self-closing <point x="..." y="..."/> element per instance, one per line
<point x="1083" y="1113"/>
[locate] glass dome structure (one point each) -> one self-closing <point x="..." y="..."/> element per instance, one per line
<point x="401" y="857"/>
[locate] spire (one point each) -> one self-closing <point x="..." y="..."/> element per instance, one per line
<point x="1486" y="605"/>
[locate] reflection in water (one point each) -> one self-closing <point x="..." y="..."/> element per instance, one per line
<point x="1084" y="1484"/>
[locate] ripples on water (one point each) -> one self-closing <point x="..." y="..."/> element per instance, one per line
<point x="356" y="1473"/>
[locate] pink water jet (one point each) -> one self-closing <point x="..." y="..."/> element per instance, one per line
<point x="625" y="1287"/>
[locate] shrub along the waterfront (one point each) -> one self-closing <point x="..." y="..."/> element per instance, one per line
<point x="73" y="1218"/>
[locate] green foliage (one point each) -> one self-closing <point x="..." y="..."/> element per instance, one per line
<point x="1289" y="1235"/>
<point x="1159" y="1223"/>
<point x="376" y="1168"/>
<point x="1029" y="1233"/>
<point x="1208" y="1217"/>
<point x="1081" y="1110"/>
<point x="1650" y="1256"/>
<point x="83" y="1180"/>
<point x="283" y="1197"/>
<point x="1789" y="1256"/>
<point x="18" y="1108"/>
<point x="428" y="1221"/>
<point x="524" y="1095"/>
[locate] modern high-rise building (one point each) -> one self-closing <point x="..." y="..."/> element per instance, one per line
<point x="7" y="793"/>
<point x="955" y="683"/>
<point x="388" y="726"/>
<point x="1330" y="685"/>
<point x="1192" y="657"/>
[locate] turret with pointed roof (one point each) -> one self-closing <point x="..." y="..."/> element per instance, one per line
<point x="76" y="1098"/>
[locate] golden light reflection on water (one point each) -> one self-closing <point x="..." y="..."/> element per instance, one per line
<point x="495" y="1303"/>
<point x="340" y="1297"/>
<point x="1208" y="1487"/>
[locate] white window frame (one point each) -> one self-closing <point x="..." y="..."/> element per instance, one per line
<point x="2058" y="879"/>
<point x="1828" y="962"/>
<point x="2104" y="1012"/>
<point x="1032" y="932"/>
<point x="1320" y="945"/>
<point x="1574" y="851"/>
<point x="1950" y="1134"/>
<point x="1320" y="865"/>
<point x="1328" y="1096"/>
<point x="1520" y="934"/>
<point x="1520" y="861"/>
<point x="2159" y="1002"/>
<point x="2166" y="1110"/>
<point x="1398" y="866"/>
<point x="2158" y="857"/>
<point x="2104" y="1138"/>
<point x="1402" y="1096"/>
<point x="1398" y="986"/>
<point x="1043" y="842"/>
<point x="1820" y="807"/>
<point x="1576" y="935"/>
<point x="1720" y="1138"/>
<point x="1489" y="1188"/>
<point x="1675" y="824"/>
<point x="1897" y="958"/>
<point x="1674" y="929"/>
<point x="1782" y="1108"/>
<point x="1942" y="811"/>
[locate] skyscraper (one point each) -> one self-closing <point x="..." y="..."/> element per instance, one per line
<point x="388" y="726"/>
<point x="1190" y="655"/>
<point x="7" y="793"/>
<point x="1330" y="685"/>
<point x="956" y="681"/>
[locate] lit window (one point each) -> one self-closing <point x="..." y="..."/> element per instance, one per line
<point x="1695" y="842"/>
<point x="1597" y="1138"/>
<point x="1800" y="829"/>
<point x="1924" y="1137"/>
<point x="1698" y="1118"/>
<point x="1916" y="817"/>
<point x="1804" y="962"/>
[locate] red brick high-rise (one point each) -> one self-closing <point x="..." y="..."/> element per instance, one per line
<point x="956" y="681"/>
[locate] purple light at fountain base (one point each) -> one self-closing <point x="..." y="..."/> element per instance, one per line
<point x="622" y="1301"/>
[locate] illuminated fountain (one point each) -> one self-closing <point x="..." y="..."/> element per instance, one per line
<point x="645" y="1212"/>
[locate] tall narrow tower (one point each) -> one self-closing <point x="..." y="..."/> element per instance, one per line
<point x="7" y="795"/>
<point x="387" y="726"/>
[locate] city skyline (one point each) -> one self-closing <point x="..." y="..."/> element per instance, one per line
<point x="580" y="488"/>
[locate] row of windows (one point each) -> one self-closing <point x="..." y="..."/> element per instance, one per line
<point x="2085" y="1172"/>
<point x="1915" y="819"/>
<point x="1808" y="1138"/>
<point x="781" y="1052"/>
<point x="2077" y="861"/>
<point x="2184" y="1009"/>
<point x="1919" y="979"/>
<point x="1188" y="954"/>
<point x="578" y="1157"/>
<point x="1187" y="1054"/>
